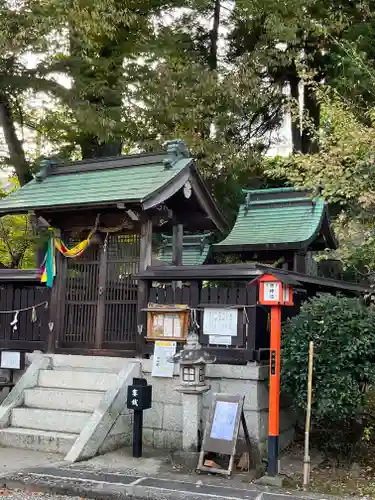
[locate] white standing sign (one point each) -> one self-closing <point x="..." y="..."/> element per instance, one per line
<point x="10" y="360"/>
<point x="224" y="420"/>
<point x="163" y="351"/>
<point x="220" y="322"/>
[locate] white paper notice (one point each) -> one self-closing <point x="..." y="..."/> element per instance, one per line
<point x="168" y="326"/>
<point x="176" y="327"/>
<point x="220" y="322"/>
<point x="220" y="339"/>
<point x="271" y="291"/>
<point x="11" y="360"/>
<point x="224" y="420"/>
<point x="163" y="351"/>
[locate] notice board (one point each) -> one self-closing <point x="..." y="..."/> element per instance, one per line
<point x="167" y="322"/>
<point x="220" y="324"/>
<point x="222" y="428"/>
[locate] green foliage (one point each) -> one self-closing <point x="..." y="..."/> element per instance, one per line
<point x="16" y="242"/>
<point x="344" y="353"/>
<point x="344" y="171"/>
<point x="132" y="75"/>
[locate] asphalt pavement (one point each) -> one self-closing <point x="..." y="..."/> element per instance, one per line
<point x="96" y="484"/>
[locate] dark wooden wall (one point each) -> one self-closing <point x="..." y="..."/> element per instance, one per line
<point x="252" y="340"/>
<point x="17" y="293"/>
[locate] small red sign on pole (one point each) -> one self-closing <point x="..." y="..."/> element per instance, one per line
<point x="274" y="291"/>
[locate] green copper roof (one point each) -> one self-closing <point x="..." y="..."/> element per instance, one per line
<point x="147" y="180"/>
<point x="195" y="251"/>
<point x="95" y="187"/>
<point x="279" y="218"/>
<point x="100" y="181"/>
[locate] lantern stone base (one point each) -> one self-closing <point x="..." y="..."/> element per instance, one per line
<point x="192" y="402"/>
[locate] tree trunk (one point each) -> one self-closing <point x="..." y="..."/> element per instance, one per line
<point x="294" y="81"/>
<point x="16" y="153"/>
<point x="310" y="143"/>
<point x="91" y="148"/>
<point x="214" y="37"/>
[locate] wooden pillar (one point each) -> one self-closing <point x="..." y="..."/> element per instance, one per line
<point x="102" y="282"/>
<point x="250" y="325"/>
<point x="57" y="303"/>
<point x="177" y="247"/>
<point x="299" y="262"/>
<point x="177" y="244"/>
<point x="145" y="260"/>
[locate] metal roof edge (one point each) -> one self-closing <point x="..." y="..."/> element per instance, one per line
<point x="222" y="247"/>
<point x="187" y="237"/>
<point x="169" y="188"/>
<point x="270" y="190"/>
<point x="242" y="271"/>
<point x="31" y="275"/>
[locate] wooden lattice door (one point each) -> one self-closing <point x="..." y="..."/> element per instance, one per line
<point x="100" y="306"/>
<point x="121" y="293"/>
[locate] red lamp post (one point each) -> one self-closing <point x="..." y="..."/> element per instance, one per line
<point x="274" y="291"/>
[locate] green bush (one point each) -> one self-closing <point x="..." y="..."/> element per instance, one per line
<point x="343" y="332"/>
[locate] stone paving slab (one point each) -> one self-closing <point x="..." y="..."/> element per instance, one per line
<point x="63" y="473"/>
<point x="116" y="486"/>
<point x="199" y="489"/>
<point x="14" y="459"/>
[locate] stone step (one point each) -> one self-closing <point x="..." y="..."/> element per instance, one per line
<point x="89" y="363"/>
<point x="62" y="399"/>
<point x="81" y="380"/>
<point x="31" y="439"/>
<point x="71" y="422"/>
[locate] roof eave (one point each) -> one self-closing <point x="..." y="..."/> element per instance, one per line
<point x="245" y="247"/>
<point x="243" y="271"/>
<point x="167" y="190"/>
<point x="207" y="203"/>
<point x="65" y="207"/>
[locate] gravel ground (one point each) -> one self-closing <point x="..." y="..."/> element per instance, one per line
<point x="24" y="495"/>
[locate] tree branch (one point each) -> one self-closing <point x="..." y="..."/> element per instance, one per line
<point x="15" y="148"/>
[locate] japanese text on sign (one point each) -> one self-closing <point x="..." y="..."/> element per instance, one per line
<point x="224" y="420"/>
<point x="135" y="401"/>
<point x="163" y="352"/>
<point x="167" y="325"/>
<point x="220" y="322"/>
<point x="271" y="291"/>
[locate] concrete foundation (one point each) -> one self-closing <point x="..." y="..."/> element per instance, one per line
<point x="73" y="388"/>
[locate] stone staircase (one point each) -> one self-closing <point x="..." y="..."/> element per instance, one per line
<point x="53" y="413"/>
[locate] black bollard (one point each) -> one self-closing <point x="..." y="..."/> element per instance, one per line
<point x="139" y="399"/>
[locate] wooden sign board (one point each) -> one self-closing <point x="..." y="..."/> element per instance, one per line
<point x="222" y="428"/>
<point x="167" y="322"/>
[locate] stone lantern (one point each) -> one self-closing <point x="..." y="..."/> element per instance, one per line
<point x="193" y="360"/>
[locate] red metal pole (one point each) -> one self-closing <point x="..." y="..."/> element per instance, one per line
<point x="274" y="394"/>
